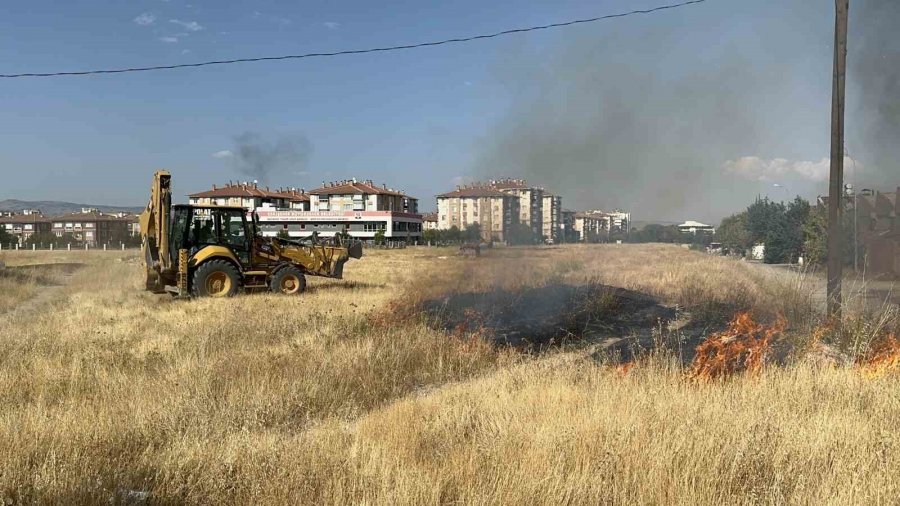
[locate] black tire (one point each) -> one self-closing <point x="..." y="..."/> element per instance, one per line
<point x="216" y="278"/>
<point x="288" y="280"/>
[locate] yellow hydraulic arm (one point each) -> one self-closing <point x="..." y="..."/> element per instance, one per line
<point x="154" y="222"/>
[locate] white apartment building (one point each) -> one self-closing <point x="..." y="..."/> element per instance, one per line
<point x="246" y="195"/>
<point x="495" y="211"/>
<point x="552" y="229"/>
<point x="531" y="201"/>
<point x="358" y="208"/>
<point x="430" y="221"/>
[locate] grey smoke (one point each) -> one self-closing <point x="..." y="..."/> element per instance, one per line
<point x="643" y="117"/>
<point x="605" y="132"/>
<point x="263" y="160"/>
<point x="874" y="83"/>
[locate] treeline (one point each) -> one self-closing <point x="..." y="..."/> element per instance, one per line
<point x="518" y="234"/>
<point x="788" y="231"/>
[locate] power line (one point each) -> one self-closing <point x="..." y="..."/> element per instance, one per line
<point x="355" y="51"/>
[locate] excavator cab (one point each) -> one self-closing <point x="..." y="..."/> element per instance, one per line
<point x="194" y="228"/>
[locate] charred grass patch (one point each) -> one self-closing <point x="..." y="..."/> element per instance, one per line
<point x="537" y="317"/>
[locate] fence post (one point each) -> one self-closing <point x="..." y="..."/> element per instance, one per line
<point x="33" y="246"/>
<point x="104" y="247"/>
<point x="51" y="246"/>
<point x="69" y="247"/>
<point x="123" y="246"/>
<point x="17" y="246"/>
<point x="85" y="246"/>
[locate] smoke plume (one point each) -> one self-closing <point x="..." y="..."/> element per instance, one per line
<point x="873" y="80"/>
<point x="605" y="132"/>
<point x="263" y="160"/>
<point x="646" y="116"/>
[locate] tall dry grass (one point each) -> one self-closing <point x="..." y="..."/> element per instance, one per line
<point x="111" y="393"/>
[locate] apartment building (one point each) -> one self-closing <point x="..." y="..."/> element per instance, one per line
<point x="531" y="201"/>
<point x="568" y="225"/>
<point x="587" y="226"/>
<point x="92" y="227"/>
<point x="247" y="195"/>
<point x="494" y="210"/>
<point x="551" y="212"/>
<point x="292" y="198"/>
<point x="359" y="208"/>
<point x="22" y="226"/>
<point x="430" y="221"/>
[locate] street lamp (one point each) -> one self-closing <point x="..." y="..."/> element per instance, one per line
<point x="786" y="191"/>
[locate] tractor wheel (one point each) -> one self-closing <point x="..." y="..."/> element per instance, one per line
<point x="288" y="281"/>
<point x="216" y="278"/>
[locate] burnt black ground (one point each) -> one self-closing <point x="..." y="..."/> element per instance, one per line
<point x="549" y="314"/>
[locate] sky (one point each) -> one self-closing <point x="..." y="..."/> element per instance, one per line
<point x="683" y="114"/>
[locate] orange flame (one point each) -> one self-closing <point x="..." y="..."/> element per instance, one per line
<point x="743" y="346"/>
<point x="884" y="358"/>
<point x="624" y="368"/>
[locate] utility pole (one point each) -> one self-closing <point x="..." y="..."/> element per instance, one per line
<point x="836" y="181"/>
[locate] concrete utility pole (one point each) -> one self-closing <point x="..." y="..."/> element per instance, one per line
<point x="836" y="181"/>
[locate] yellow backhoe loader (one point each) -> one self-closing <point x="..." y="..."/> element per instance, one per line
<point x="215" y="251"/>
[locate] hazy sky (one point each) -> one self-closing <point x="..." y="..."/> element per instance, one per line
<point x="684" y="114"/>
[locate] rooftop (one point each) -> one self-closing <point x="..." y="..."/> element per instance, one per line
<point x="24" y="218"/>
<point x="354" y="187"/>
<point x="694" y="224"/>
<point x="509" y="183"/>
<point x="475" y="191"/>
<point x="236" y="190"/>
<point x="90" y="216"/>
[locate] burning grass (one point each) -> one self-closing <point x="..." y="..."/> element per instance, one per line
<point x="743" y="347"/>
<point x="884" y="357"/>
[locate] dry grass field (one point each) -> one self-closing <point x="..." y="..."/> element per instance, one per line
<point x="351" y="393"/>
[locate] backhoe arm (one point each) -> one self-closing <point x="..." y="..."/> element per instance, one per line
<point x="154" y="222"/>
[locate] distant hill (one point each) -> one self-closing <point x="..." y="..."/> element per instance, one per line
<point x="55" y="207"/>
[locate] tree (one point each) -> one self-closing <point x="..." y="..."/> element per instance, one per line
<point x="283" y="234"/>
<point x="815" y="237"/>
<point x="654" y="232"/>
<point x="379" y="237"/>
<point x="733" y="233"/>
<point x="5" y="238"/>
<point x="44" y="240"/>
<point x="452" y="234"/>
<point x="430" y="236"/>
<point x="472" y="233"/>
<point x="521" y="233"/>
<point x="778" y="227"/>
<point x="760" y="216"/>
